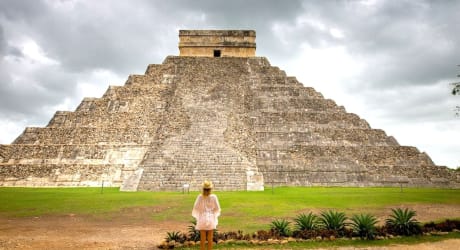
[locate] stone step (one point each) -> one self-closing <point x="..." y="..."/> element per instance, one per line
<point x="158" y="90"/>
<point x="105" y="119"/>
<point x="292" y="80"/>
<point x="378" y="175"/>
<point x="122" y="105"/>
<point x="52" y="175"/>
<point x="77" y="152"/>
<point x="274" y="79"/>
<point x="86" y="135"/>
<point x="287" y="90"/>
<point x="361" y="155"/>
<point x="173" y="177"/>
<point x="322" y="137"/>
<point x="297" y="104"/>
<point x="319" y="117"/>
<point x="4" y="152"/>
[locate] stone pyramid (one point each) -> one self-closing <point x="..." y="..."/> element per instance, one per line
<point x="215" y="112"/>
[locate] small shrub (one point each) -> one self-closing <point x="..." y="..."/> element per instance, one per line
<point x="364" y="225"/>
<point x="215" y="236"/>
<point x="402" y="222"/>
<point x="332" y="220"/>
<point x="306" y="222"/>
<point x="429" y="227"/>
<point x="448" y="225"/>
<point x="444" y="226"/>
<point x="175" y="236"/>
<point x="262" y="235"/>
<point x="381" y="230"/>
<point x="328" y="233"/>
<point x="305" y="234"/>
<point x="347" y="232"/>
<point x="232" y="235"/>
<point x="193" y="234"/>
<point x="281" y="227"/>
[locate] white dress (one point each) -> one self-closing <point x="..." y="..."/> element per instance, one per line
<point x="205" y="211"/>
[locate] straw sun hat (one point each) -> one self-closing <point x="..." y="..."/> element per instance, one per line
<point x="207" y="185"/>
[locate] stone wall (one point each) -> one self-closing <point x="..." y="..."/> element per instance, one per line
<point x="228" y="43"/>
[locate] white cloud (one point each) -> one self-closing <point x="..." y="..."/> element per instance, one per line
<point x="35" y="54"/>
<point x="325" y="69"/>
<point x="10" y="129"/>
<point x="95" y="83"/>
<point x="336" y="33"/>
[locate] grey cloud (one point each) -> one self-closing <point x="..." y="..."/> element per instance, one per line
<point x="415" y="45"/>
<point x="29" y="95"/>
<point x="5" y="48"/>
<point x="3" y="43"/>
<point x="87" y="37"/>
<point x="21" y="9"/>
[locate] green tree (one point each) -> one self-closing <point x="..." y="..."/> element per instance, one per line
<point x="456" y="88"/>
<point x="456" y="91"/>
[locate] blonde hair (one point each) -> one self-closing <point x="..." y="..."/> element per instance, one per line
<point x="206" y="191"/>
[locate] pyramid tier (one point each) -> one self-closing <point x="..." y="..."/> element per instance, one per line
<point x="322" y="137"/>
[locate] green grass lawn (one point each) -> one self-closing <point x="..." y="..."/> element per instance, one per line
<point x="248" y="211"/>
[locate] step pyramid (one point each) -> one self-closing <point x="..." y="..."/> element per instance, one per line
<point x="237" y="121"/>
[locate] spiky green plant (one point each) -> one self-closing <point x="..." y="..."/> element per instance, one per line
<point x="175" y="236"/>
<point x="306" y="221"/>
<point x="402" y="222"/>
<point x="281" y="226"/>
<point x="364" y="225"/>
<point x="333" y="220"/>
<point x="193" y="234"/>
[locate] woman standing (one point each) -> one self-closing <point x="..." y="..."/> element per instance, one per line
<point x="206" y="210"/>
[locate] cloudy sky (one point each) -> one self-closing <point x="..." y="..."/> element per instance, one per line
<point x="390" y="62"/>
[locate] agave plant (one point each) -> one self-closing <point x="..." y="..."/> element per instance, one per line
<point x="175" y="236"/>
<point x="364" y="225"/>
<point x="402" y="222"/>
<point x="193" y="234"/>
<point x="281" y="226"/>
<point x="306" y="222"/>
<point x="333" y="220"/>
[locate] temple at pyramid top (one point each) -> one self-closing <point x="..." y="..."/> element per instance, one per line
<point x="217" y="43"/>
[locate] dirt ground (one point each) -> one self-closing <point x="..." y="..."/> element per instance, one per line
<point x="132" y="231"/>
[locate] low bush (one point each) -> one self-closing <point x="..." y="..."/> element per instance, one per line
<point x="402" y="222"/>
<point x="333" y="220"/>
<point x="306" y="222"/>
<point x="444" y="226"/>
<point x="448" y="225"/>
<point x="364" y="225"/>
<point x="306" y="234"/>
<point x="193" y="234"/>
<point x="264" y="235"/>
<point x="176" y="236"/>
<point x="232" y="235"/>
<point x="281" y="227"/>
